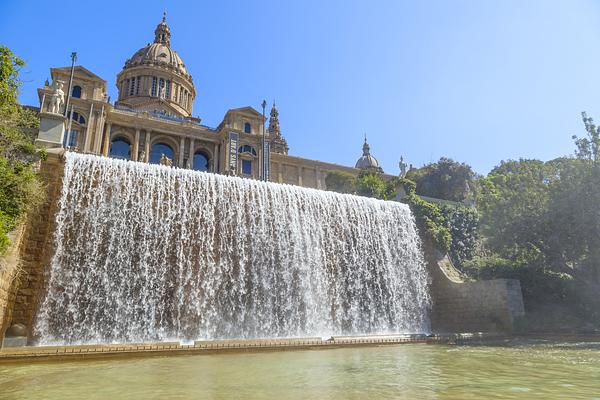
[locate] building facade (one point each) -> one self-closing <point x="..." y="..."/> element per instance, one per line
<point x="151" y="121"/>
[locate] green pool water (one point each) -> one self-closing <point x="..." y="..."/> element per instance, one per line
<point x="513" y="370"/>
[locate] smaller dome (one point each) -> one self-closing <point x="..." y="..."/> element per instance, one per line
<point x="367" y="161"/>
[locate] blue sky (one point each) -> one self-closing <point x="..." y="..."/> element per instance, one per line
<point x="477" y="81"/>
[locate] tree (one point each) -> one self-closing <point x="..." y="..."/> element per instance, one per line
<point x="341" y="182"/>
<point x="370" y="184"/>
<point x="20" y="188"/>
<point x="445" y="179"/>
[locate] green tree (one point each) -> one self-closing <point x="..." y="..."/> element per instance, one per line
<point x="370" y="184"/>
<point x="20" y="188"/>
<point x="445" y="179"/>
<point x="341" y="182"/>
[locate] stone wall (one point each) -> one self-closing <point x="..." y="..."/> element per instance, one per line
<point x="9" y="275"/>
<point x="36" y="246"/>
<point x="480" y="306"/>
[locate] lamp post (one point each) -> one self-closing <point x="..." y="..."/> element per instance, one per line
<point x="264" y="156"/>
<point x="73" y="59"/>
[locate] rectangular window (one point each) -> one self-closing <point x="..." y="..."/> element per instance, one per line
<point x="70" y="139"/>
<point x="154" y="86"/>
<point x="246" y="167"/>
<point x="168" y="89"/>
<point x="137" y="86"/>
<point x="132" y="86"/>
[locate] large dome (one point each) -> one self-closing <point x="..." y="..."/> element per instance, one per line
<point x="157" y="54"/>
<point x="155" y="78"/>
<point x="160" y="52"/>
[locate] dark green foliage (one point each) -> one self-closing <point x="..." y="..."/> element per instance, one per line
<point x="370" y="184"/>
<point x="463" y="223"/>
<point x="20" y="188"/>
<point x="445" y="179"/>
<point x="428" y="216"/>
<point x="341" y="182"/>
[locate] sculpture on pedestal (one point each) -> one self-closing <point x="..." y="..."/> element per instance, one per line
<point x="57" y="97"/>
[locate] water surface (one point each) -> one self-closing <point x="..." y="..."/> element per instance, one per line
<point x="522" y="370"/>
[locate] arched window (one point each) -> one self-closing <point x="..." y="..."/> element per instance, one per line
<point x="247" y="127"/>
<point x="201" y="162"/>
<point x="76" y="91"/>
<point x="120" y="148"/>
<point x="76" y="117"/>
<point x="247" y="149"/>
<point x="158" y="150"/>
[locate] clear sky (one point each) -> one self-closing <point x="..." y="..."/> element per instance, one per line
<point x="477" y="81"/>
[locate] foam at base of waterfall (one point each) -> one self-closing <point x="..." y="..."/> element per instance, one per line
<point x="150" y="253"/>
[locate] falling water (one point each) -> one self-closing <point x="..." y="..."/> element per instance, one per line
<point x="151" y="253"/>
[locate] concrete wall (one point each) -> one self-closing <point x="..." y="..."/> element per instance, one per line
<point x="486" y="306"/>
<point x="481" y="306"/>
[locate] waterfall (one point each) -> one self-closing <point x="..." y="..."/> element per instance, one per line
<point x="152" y="253"/>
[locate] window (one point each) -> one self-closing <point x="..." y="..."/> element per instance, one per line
<point x="247" y="149"/>
<point x="247" y="167"/>
<point x="247" y="127"/>
<point x="180" y="96"/>
<point x="168" y="89"/>
<point x="70" y="139"/>
<point x="120" y="148"/>
<point x="158" y="150"/>
<point x="137" y="86"/>
<point x="76" y="117"/>
<point x="154" y="86"/>
<point x="132" y="87"/>
<point x="200" y="162"/>
<point x="76" y="91"/>
<point x="161" y="88"/>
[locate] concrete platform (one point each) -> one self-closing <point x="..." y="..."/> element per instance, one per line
<point x="94" y="351"/>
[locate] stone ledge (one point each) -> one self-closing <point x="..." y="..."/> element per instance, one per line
<point x="78" y="352"/>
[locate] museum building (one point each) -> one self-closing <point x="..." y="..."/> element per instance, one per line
<point x="152" y="121"/>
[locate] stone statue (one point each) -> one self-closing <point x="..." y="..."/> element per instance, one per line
<point x="142" y="156"/>
<point x="403" y="166"/>
<point x="164" y="160"/>
<point x="57" y="97"/>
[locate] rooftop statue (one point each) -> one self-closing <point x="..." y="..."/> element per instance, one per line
<point x="164" y="160"/>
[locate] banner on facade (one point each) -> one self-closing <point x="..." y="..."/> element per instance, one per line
<point x="233" y="151"/>
<point x="266" y="160"/>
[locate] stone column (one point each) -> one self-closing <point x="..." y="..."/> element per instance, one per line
<point x="99" y="130"/>
<point x="106" y="146"/>
<point x="191" y="154"/>
<point x="181" y="153"/>
<point x="300" y="171"/>
<point x="136" y="145"/>
<point x="88" y="130"/>
<point x="147" y="146"/>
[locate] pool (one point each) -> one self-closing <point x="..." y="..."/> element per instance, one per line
<point x="528" y="369"/>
